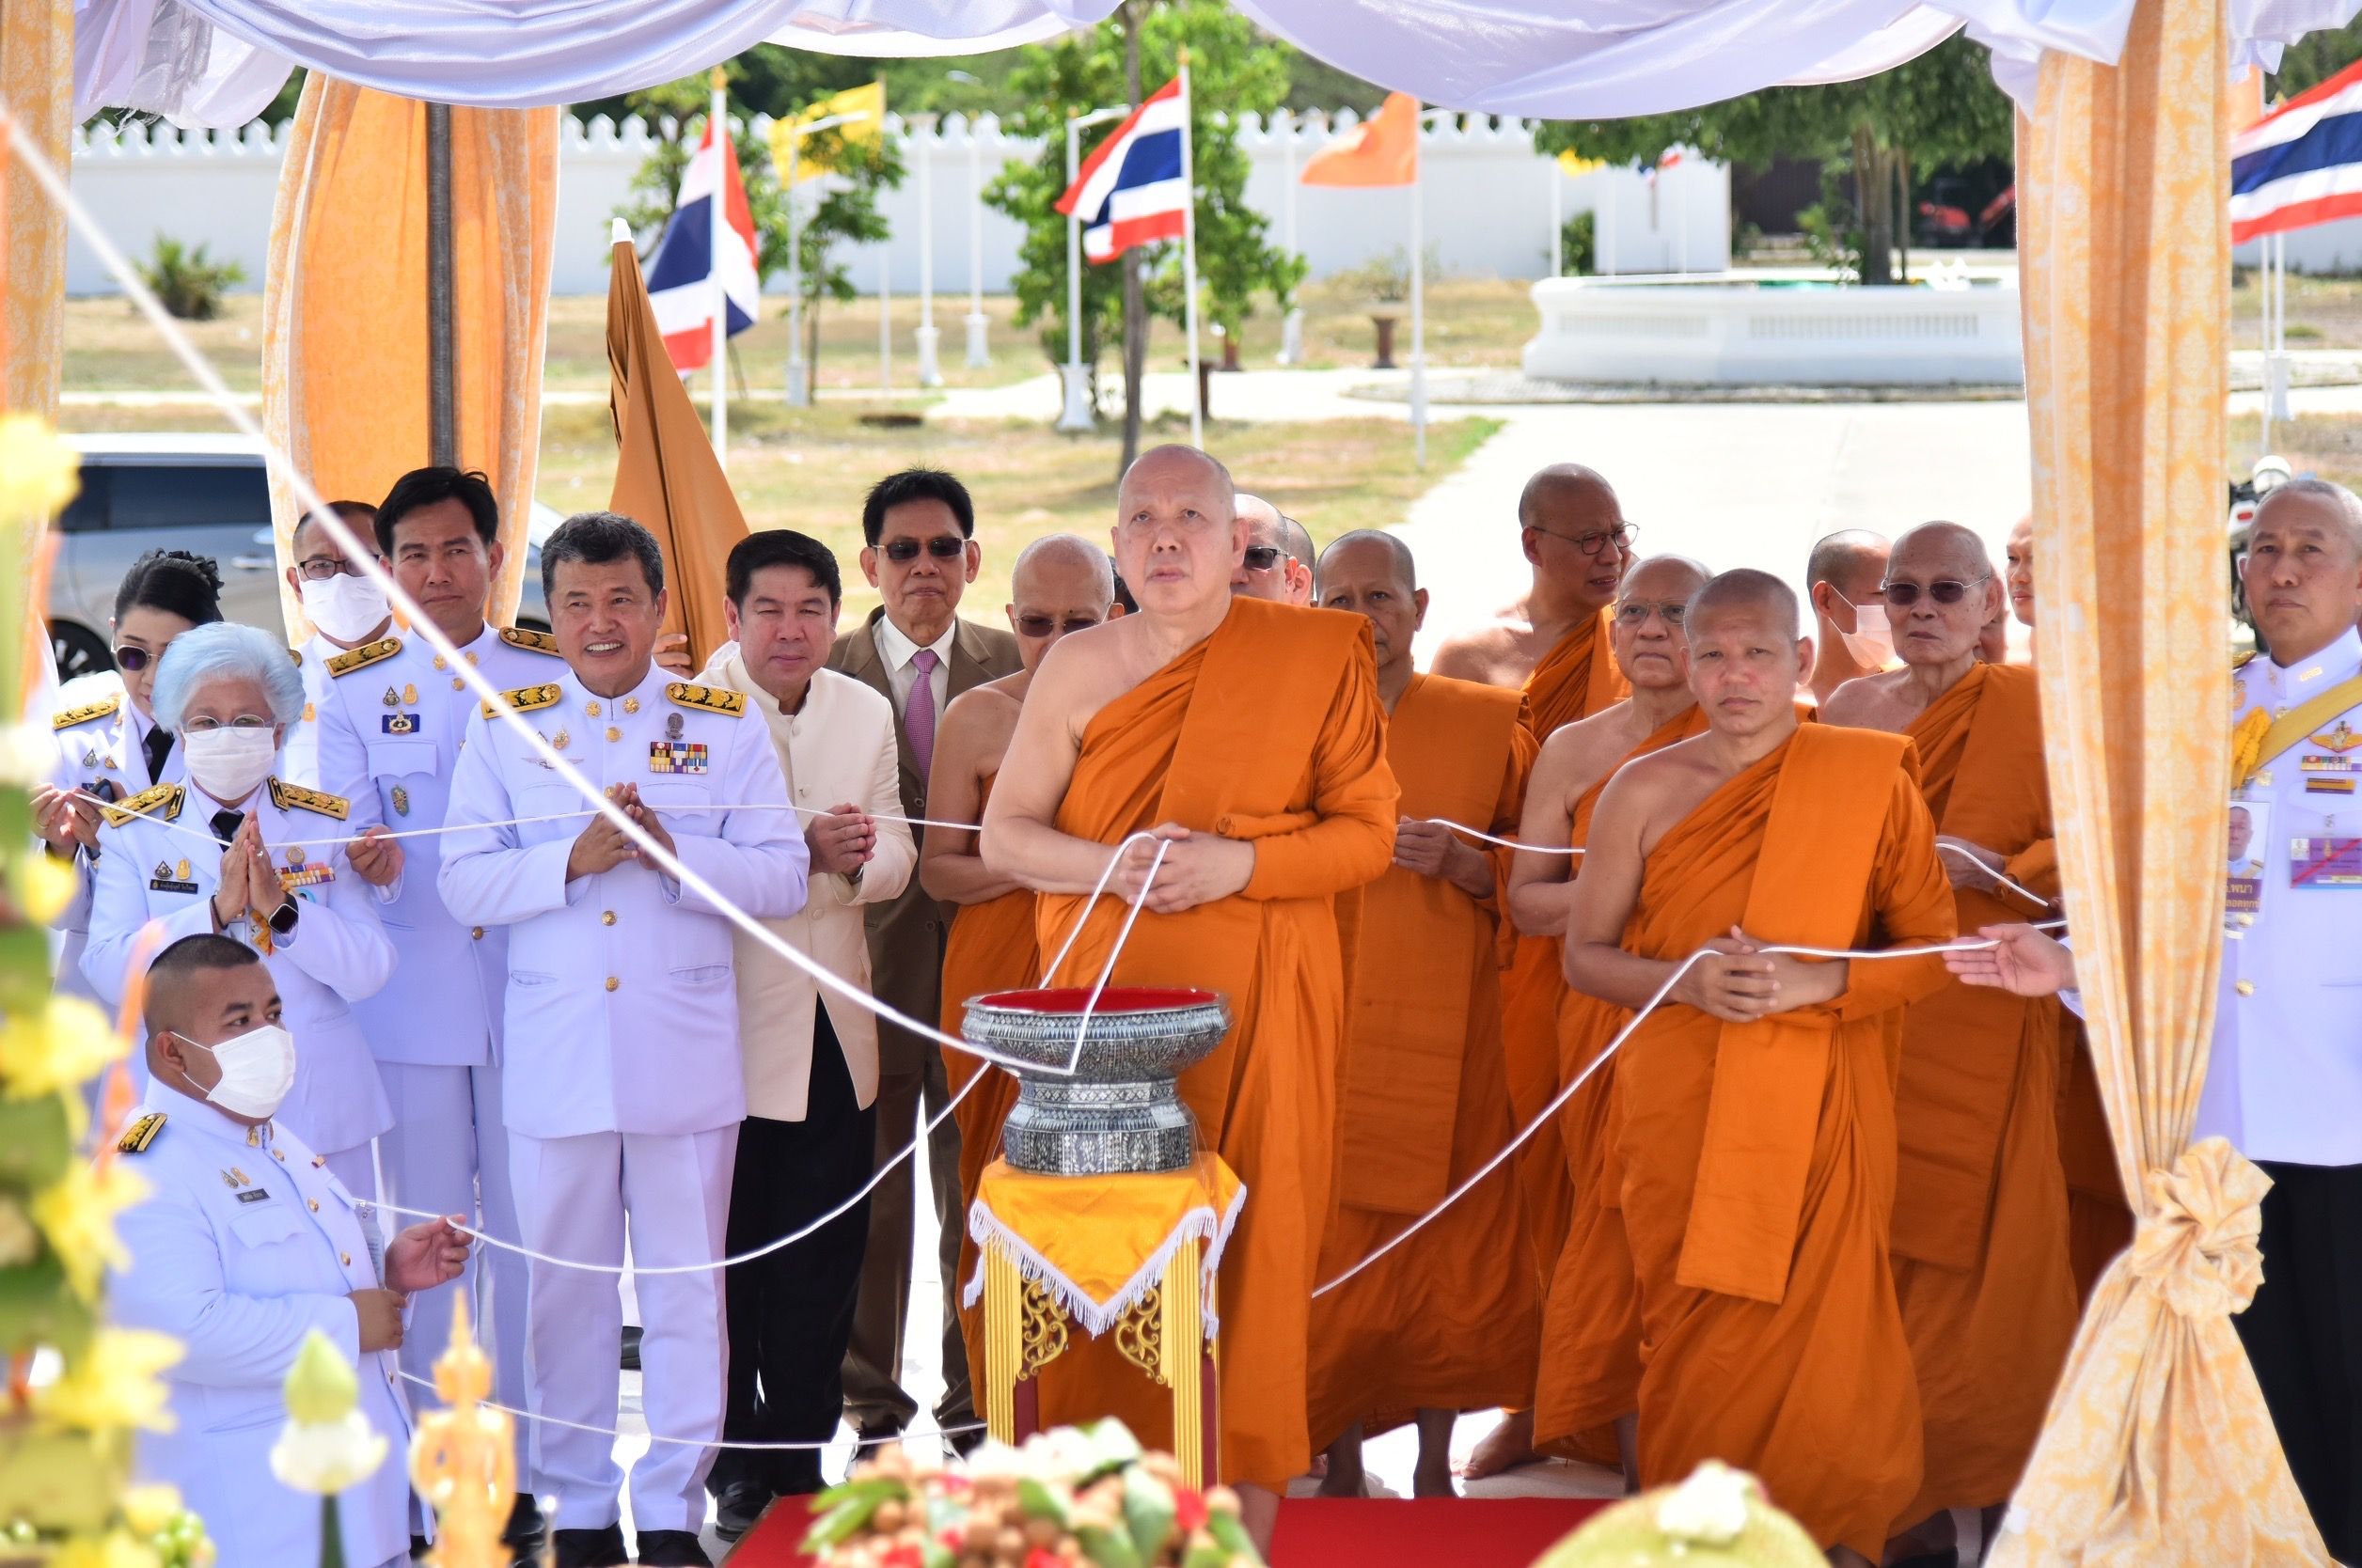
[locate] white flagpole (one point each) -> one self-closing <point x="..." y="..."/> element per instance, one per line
<point x="717" y="225"/>
<point x="930" y="372"/>
<point x="1418" y="299"/>
<point x="1189" y="259"/>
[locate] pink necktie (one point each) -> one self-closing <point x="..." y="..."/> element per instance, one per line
<point x="918" y="715"/>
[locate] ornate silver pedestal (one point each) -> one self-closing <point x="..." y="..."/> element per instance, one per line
<point x="1119" y="1110"/>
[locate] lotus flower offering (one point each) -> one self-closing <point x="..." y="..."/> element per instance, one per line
<point x="1119" y="1110"/>
<point x="1718" y="1518"/>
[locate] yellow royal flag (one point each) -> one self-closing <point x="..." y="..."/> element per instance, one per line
<point x="868" y="100"/>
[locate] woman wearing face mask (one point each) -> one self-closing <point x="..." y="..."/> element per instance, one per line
<point x="108" y="743"/>
<point x="347" y="610"/>
<point x="240" y="852"/>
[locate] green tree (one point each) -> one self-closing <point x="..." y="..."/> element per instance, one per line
<point x="1233" y="71"/>
<point x="1939" y="109"/>
<point x="2314" y="59"/>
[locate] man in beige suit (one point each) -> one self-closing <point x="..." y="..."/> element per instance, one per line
<point x="921" y="555"/>
<point x="810" y="1131"/>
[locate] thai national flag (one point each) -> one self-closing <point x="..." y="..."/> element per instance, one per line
<point x="2301" y="164"/>
<point x="681" y="276"/>
<point x="1132" y="192"/>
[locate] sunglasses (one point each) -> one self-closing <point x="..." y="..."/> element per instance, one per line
<point x="943" y="547"/>
<point x="1262" y="557"/>
<point x="1042" y="625"/>
<point x="1943" y="591"/>
<point x="132" y="660"/>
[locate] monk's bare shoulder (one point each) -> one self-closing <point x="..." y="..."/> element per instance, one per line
<point x="1090" y="668"/>
<point x="1863" y="703"/>
<point x="1577" y="756"/>
<point x="1487" y="653"/>
<point x="980" y="721"/>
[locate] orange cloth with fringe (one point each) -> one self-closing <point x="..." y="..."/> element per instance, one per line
<point x="1980" y="1201"/>
<point x="1269" y="730"/>
<point x="1104" y="1239"/>
<point x="1448" y="1320"/>
<point x="1590" y="1365"/>
<point x="1758" y="1158"/>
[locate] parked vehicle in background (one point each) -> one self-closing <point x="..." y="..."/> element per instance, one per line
<point x="206" y="494"/>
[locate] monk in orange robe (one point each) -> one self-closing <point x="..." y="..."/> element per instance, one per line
<point x="1248" y="738"/>
<point x="1756" y="1110"/>
<point x="1589" y="1379"/>
<point x="1552" y="642"/>
<point x="1061" y="584"/>
<point x="1447" y="1320"/>
<point x="1980" y="1202"/>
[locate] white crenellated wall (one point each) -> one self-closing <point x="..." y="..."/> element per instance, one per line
<point x="1487" y="196"/>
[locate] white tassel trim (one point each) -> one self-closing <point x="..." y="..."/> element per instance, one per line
<point x="1095" y="1317"/>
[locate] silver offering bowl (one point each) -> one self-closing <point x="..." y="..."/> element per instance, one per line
<point x="1119" y="1111"/>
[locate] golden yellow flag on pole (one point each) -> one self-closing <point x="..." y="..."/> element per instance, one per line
<point x="667" y="478"/>
<point x="868" y="100"/>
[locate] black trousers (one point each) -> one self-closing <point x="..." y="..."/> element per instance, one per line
<point x="2304" y="1337"/>
<point x="790" y="1313"/>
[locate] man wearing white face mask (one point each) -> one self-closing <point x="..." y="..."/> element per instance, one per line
<point x="239" y="853"/>
<point x="1850" y="637"/>
<point x="247" y="1243"/>
<point x="347" y="610"/>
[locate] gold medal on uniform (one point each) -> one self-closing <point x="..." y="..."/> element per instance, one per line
<point x="590" y="708"/>
<point x="295" y="857"/>
<point x="439" y="664"/>
<point x="631" y="705"/>
<point x="182" y="871"/>
<point x="561" y="740"/>
<point x="401" y="801"/>
<point x="409" y="695"/>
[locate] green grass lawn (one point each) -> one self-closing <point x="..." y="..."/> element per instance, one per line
<point x="2328" y="444"/>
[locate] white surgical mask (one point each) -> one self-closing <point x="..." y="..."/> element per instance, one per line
<point x="346" y="607"/>
<point x="1872" y="640"/>
<point x="258" y="1068"/>
<point x="228" y="762"/>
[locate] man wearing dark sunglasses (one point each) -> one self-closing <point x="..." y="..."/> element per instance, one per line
<point x="1980" y="1234"/>
<point x="920" y="552"/>
<point x="1278" y="564"/>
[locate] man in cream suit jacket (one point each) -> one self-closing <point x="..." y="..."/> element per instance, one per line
<point x="807" y="1143"/>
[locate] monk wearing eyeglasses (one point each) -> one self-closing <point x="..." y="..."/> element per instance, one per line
<point x="1248" y="738"/>
<point x="1060" y="585"/>
<point x="1552" y="642"/>
<point x="1980" y="1233"/>
<point x="1754" y="1127"/>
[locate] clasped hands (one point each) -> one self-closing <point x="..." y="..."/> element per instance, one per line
<point x="248" y="880"/>
<point x="1198" y="868"/>
<point x="1739" y="982"/>
<point x="843" y="840"/>
<point x="602" y="846"/>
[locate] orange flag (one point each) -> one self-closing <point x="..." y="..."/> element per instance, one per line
<point x="1381" y="150"/>
<point x="665" y="476"/>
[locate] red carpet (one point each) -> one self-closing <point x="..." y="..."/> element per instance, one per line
<point x="1321" y="1532"/>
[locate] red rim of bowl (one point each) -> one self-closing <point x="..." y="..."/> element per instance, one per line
<point x="1114" y="999"/>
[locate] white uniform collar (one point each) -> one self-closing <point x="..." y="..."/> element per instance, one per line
<point x="899" y="650"/>
<point x="203" y="1116"/>
<point x="2338" y="662"/>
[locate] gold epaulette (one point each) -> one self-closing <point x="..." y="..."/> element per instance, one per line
<point x="89" y="711"/>
<point x="712" y="699"/>
<point x="144" y="803"/>
<point x="2243" y="660"/>
<point x="537" y="642"/>
<point x="140" y="1134"/>
<point x="294" y="797"/>
<point x="526" y="698"/>
<point x="364" y="656"/>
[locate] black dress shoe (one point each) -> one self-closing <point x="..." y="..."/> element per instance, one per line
<point x="631" y="1347"/>
<point x="525" y="1530"/>
<point x="673" y="1548"/>
<point x="590" y="1548"/>
<point x="737" y="1507"/>
<point x="419" y="1546"/>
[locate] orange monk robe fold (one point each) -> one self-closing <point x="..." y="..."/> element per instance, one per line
<point x="1980" y="1201"/>
<point x="1577" y="678"/>
<point x="1448" y="1320"/>
<point x="1269" y="730"/>
<point x="1590" y="1364"/>
<point x="1758" y="1159"/>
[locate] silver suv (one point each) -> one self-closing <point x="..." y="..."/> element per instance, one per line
<point x="206" y="494"/>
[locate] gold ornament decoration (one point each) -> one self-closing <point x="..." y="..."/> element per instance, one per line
<point x="463" y="1458"/>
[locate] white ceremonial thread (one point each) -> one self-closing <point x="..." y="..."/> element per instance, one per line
<point x="1993" y="872"/>
<point x="1504" y="843"/>
<point x="855" y="1442"/>
<point x="1551" y="1110"/>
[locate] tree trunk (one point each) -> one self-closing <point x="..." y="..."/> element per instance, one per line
<point x="1904" y="213"/>
<point x="812" y="345"/>
<point x="1874" y="200"/>
<point x="1135" y="290"/>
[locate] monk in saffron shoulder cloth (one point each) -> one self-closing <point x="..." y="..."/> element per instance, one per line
<point x="1755" y="1133"/>
<point x="1249" y="739"/>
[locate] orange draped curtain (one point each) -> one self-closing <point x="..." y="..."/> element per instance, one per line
<point x="37" y="80"/>
<point x="344" y="305"/>
<point x="2159" y="1450"/>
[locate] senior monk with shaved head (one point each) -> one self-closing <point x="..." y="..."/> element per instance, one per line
<point x="1980" y="1201"/>
<point x="1278" y="563"/>
<point x="1247" y="738"/>
<point x="1755" y="1106"/>
<point x="1589" y="1381"/>
<point x="1060" y="584"/>
<point x="1841" y="578"/>
<point x="1446" y="1322"/>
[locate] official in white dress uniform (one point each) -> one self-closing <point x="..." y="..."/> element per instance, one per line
<point x="108" y="743"/>
<point x="347" y="610"/>
<point x="2284" y="1076"/>
<point x="621" y="1073"/>
<point x="807" y="1141"/>
<point x="245" y="1244"/>
<point x="240" y="852"/>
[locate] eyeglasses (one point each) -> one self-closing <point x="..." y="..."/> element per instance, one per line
<point x="1262" y="557"/>
<point x="1042" y="625"/>
<point x="1943" y="591"/>
<point x="1635" y="613"/>
<point x="132" y="660"/>
<point x="1598" y="540"/>
<point x="319" y="569"/>
<point x="244" y="721"/>
<point x="943" y="547"/>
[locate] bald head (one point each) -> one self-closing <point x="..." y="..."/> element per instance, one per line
<point x="1673" y="578"/>
<point x="1746" y="652"/>
<point x="1647" y="635"/>
<point x="1748" y="592"/>
<point x="1283" y="578"/>
<point x="1296" y="540"/>
<point x="1371" y="575"/>
<point x="2327" y="500"/>
<point x="1851" y="561"/>
<point x="1941" y="549"/>
<point x="1175" y="464"/>
<point x="1060" y="566"/>
<point x="1563" y="488"/>
<point x="1576" y="538"/>
<point x="1350" y="550"/>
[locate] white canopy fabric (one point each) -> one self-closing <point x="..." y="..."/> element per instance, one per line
<point x="217" y="62"/>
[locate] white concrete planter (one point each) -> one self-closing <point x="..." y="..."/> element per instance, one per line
<point x="1745" y="332"/>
